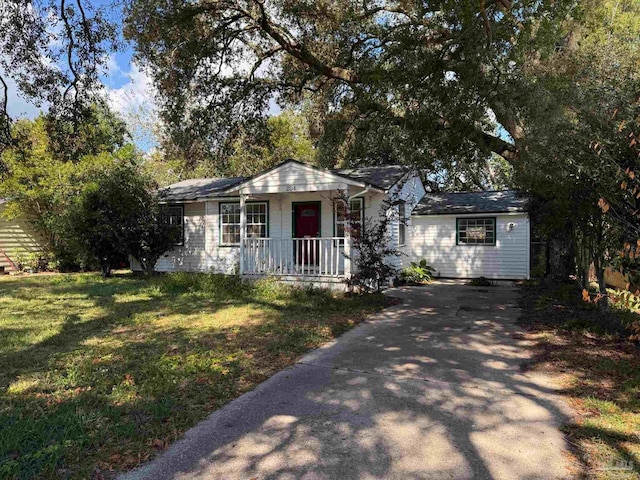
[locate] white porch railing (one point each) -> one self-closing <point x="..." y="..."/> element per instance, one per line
<point x="295" y="256"/>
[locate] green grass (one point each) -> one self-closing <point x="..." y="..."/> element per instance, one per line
<point x="600" y="366"/>
<point x="98" y="375"/>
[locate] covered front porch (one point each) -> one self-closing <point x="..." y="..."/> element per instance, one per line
<point x="296" y="257"/>
<point x="294" y="223"/>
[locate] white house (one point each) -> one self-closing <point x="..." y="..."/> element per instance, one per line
<point x="289" y="222"/>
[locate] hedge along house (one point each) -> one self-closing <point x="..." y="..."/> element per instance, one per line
<point x="290" y="222"/>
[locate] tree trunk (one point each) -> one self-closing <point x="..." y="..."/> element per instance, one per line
<point x="149" y="268"/>
<point x="561" y="258"/>
<point x="602" y="286"/>
<point x="585" y="277"/>
<point x="106" y="268"/>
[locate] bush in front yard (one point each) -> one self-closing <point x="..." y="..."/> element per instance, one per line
<point x="373" y="250"/>
<point x="117" y="214"/>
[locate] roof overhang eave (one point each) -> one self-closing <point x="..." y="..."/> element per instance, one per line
<point x="494" y="212"/>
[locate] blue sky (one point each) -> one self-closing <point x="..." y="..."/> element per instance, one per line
<point x="129" y="92"/>
<point x="128" y="89"/>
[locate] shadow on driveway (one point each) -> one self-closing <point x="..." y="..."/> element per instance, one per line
<point x="431" y="388"/>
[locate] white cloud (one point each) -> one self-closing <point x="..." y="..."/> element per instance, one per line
<point x="134" y="101"/>
<point x="137" y="93"/>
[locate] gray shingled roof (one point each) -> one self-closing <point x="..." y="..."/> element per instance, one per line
<point x="198" y="188"/>
<point x="470" y="202"/>
<point x="383" y="177"/>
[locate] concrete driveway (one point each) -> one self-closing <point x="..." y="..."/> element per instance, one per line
<point x="432" y="388"/>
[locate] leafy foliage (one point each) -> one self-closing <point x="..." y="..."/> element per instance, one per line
<point x="278" y="138"/>
<point x="46" y="168"/>
<point x="248" y="150"/>
<point x="417" y="272"/>
<point x="36" y="262"/>
<point x="578" y="127"/>
<point x="625" y="300"/>
<point x="373" y="251"/>
<point x="391" y="81"/>
<point x="152" y="235"/>
<point x="117" y="214"/>
<point x="55" y="52"/>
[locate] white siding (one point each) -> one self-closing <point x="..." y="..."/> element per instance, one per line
<point x="218" y="258"/>
<point x="411" y="190"/>
<point x="202" y="250"/>
<point x="191" y="255"/>
<point x="293" y="177"/>
<point x="433" y="238"/>
<point x="17" y="237"/>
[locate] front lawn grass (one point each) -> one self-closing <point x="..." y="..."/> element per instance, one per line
<point x="600" y="369"/>
<point x="98" y="375"/>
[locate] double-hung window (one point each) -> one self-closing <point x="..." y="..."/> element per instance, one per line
<point x="353" y="218"/>
<point x="476" y="231"/>
<point x="174" y="215"/>
<point x="257" y="215"/>
<point x="230" y="223"/>
<point x="257" y="218"/>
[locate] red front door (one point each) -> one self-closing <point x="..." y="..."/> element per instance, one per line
<point x="306" y="224"/>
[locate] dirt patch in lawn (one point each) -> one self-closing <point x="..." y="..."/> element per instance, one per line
<point x="599" y="368"/>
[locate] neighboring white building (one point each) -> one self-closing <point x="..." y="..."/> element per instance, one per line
<point x="289" y="222"/>
<point x="17" y="238"/>
<point x="472" y="234"/>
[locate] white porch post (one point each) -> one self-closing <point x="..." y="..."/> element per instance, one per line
<point x="347" y="241"/>
<point x="243" y="229"/>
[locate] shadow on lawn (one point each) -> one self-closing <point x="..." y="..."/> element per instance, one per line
<point x="111" y="390"/>
<point x="75" y="331"/>
<point x="603" y="369"/>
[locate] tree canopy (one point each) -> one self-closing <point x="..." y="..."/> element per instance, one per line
<point x="55" y="51"/>
<point x="419" y="82"/>
<point x="45" y="168"/>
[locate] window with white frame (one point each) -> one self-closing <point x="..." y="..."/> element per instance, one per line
<point x="476" y="231"/>
<point x="402" y="227"/>
<point x="356" y="212"/>
<point x="257" y="220"/>
<point x="257" y="215"/>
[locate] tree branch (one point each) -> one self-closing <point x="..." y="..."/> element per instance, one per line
<point x="299" y="51"/>
<point x="70" y="47"/>
<point x="5" y="122"/>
